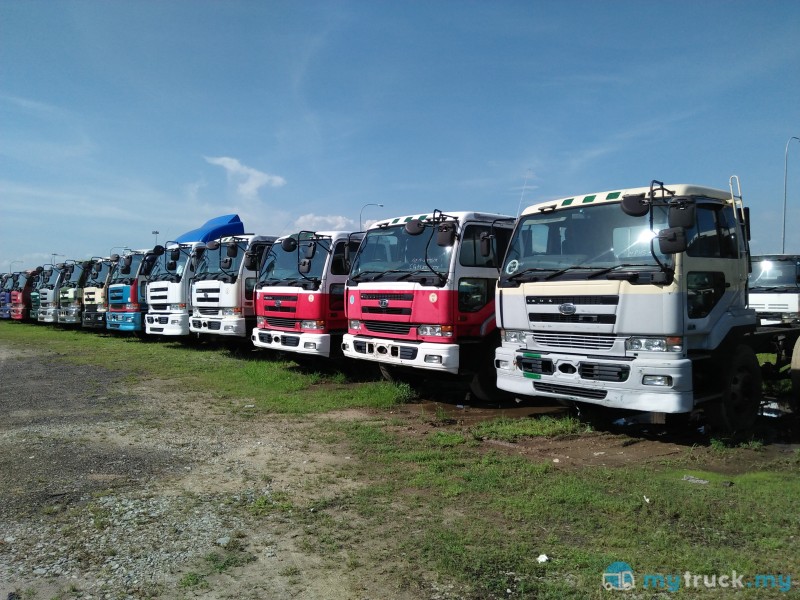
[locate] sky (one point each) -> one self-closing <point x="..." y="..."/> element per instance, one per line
<point x="118" y="119"/>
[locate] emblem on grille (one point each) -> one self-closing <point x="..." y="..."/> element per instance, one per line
<point x="383" y="303"/>
<point x="277" y="303"/>
<point x="567" y="308"/>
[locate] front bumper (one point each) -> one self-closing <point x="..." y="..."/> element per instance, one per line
<point x="119" y="321"/>
<point x="443" y="358"/>
<point x="167" y="323"/>
<point x="228" y="326"/>
<point x="69" y="316"/>
<point x="315" y="344"/>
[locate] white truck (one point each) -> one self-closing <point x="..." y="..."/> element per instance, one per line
<point x="223" y="287"/>
<point x="300" y="293"/>
<point x="775" y="289"/>
<point x="169" y="286"/>
<point x="95" y="299"/>
<point x="420" y="296"/>
<point x="636" y="299"/>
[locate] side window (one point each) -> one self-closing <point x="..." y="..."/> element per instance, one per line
<point x="337" y="297"/>
<point x="715" y="234"/>
<point x="470" y="253"/>
<point x="704" y="290"/>
<point x="338" y="264"/>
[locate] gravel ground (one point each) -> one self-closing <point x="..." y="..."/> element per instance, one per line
<point x="110" y="489"/>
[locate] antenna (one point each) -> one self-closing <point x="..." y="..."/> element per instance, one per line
<point x="524" y="186"/>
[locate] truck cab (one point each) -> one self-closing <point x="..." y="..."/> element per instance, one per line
<point x="127" y="291"/>
<point x="633" y="299"/>
<point x="6" y="285"/>
<point x="223" y="288"/>
<point x="70" y="295"/>
<point x="775" y="289"/>
<point x="21" y="294"/>
<point x="48" y="293"/>
<point x="420" y="295"/>
<point x="95" y="299"/>
<point x="300" y="302"/>
<point x="42" y="279"/>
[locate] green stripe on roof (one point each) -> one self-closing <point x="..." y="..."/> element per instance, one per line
<point x="613" y="195"/>
<point x="567" y="202"/>
<point x="588" y="199"/>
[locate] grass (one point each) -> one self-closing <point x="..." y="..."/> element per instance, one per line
<point x="443" y="507"/>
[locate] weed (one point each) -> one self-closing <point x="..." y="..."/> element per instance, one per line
<point x="511" y="430"/>
<point x="292" y="571"/>
<point x="192" y="579"/>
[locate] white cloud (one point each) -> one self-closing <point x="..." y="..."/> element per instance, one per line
<point x="249" y="180"/>
<point x="314" y="222"/>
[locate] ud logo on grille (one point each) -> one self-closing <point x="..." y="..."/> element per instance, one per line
<point x="567" y="308"/>
<point x="383" y="303"/>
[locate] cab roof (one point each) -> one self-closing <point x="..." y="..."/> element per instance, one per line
<point x="460" y="215"/>
<point x="680" y="189"/>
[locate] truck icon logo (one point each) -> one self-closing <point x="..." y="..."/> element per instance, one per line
<point x="618" y="576"/>
<point x="383" y="303"/>
<point x="567" y="308"/>
<point x="277" y="303"/>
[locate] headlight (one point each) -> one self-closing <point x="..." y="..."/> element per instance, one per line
<point x="177" y="306"/>
<point x="231" y="312"/>
<point x="131" y="306"/>
<point x="355" y="324"/>
<point x="654" y="344"/>
<point x="312" y="324"/>
<point x="435" y="330"/>
<point x="513" y="336"/>
<point x="261" y="322"/>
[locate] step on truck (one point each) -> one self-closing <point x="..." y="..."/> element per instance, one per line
<point x="95" y="298"/>
<point x="169" y="286"/>
<point x="70" y="294"/>
<point x="21" y="294"/>
<point x="300" y="293"/>
<point x="127" y="291"/>
<point x="48" y="293"/>
<point x="775" y="289"/>
<point x="420" y="296"/>
<point x="636" y="299"/>
<point x="223" y="288"/>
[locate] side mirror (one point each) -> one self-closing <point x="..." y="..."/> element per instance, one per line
<point x="672" y="240"/>
<point x="309" y="250"/>
<point x="172" y="265"/>
<point x="304" y="266"/>
<point x="175" y="254"/>
<point x="250" y="261"/>
<point x="414" y="227"/>
<point x="446" y="234"/>
<point x="97" y="267"/>
<point x="60" y="266"/>
<point x="212" y="245"/>
<point x="226" y="262"/>
<point x="158" y="250"/>
<point x="682" y="215"/>
<point x="289" y="244"/>
<point x="634" y="205"/>
<point x="486" y="245"/>
<point x="114" y="257"/>
<point x="232" y="251"/>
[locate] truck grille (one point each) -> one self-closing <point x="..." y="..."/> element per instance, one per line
<point x="281" y="322"/>
<point x="378" y="296"/>
<point x="569" y="340"/>
<point x="391" y="328"/>
<point x="386" y="311"/>
<point x="577" y="300"/>
<point x="559" y="318"/>
<point x="208" y="312"/>
<point x="568" y="390"/>
<point x="604" y="372"/>
<point x="539" y="366"/>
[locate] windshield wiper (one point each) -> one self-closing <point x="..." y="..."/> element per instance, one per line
<point x="604" y="270"/>
<point x="358" y="276"/>
<point x="516" y="276"/>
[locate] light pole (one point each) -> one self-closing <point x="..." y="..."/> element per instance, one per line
<point x="155" y="233"/>
<point x="53" y="258"/>
<point x="360" y="226"/>
<point x="11" y="265"/>
<point x="785" y="164"/>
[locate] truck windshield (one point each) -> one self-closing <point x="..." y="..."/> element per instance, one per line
<point x="218" y="264"/>
<point x="50" y="278"/>
<point x="583" y="242"/>
<point x="775" y="272"/>
<point x="282" y="266"/>
<point x="8" y="284"/>
<point x="98" y="278"/>
<point x="391" y="254"/>
<point x="129" y="275"/>
<point x="166" y="269"/>
<point x="20" y="281"/>
<point x="74" y="277"/>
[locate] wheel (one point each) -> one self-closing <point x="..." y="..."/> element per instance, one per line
<point x="483" y="385"/>
<point x="735" y="414"/>
<point x="795" y="376"/>
<point x="393" y="374"/>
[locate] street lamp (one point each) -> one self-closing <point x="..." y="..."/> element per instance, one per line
<point x="155" y="233"/>
<point x="11" y="265"/>
<point x="785" y="164"/>
<point x="53" y="258"/>
<point x="360" y="226"/>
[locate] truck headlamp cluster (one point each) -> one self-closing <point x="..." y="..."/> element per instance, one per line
<point x="177" y="306"/>
<point x="435" y="330"/>
<point x="355" y="324"/>
<point x="261" y="322"/>
<point x="231" y="312"/>
<point x="654" y="344"/>
<point x="513" y="336"/>
<point x="312" y="325"/>
<point x="132" y="306"/>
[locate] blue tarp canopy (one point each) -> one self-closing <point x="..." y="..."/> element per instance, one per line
<point x="213" y="229"/>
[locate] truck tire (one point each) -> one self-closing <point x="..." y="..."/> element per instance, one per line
<point x="483" y="385"/>
<point x="393" y="374"/>
<point x="734" y="416"/>
<point x="795" y="376"/>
